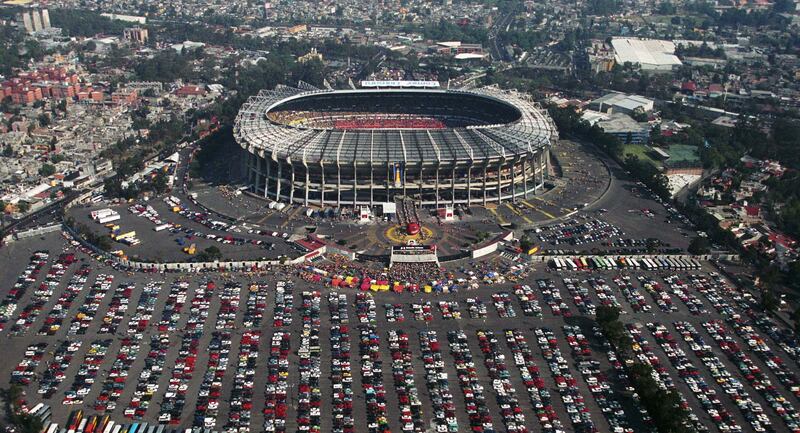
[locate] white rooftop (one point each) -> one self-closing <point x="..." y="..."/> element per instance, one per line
<point x="648" y="53"/>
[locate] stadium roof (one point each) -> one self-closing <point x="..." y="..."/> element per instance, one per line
<point x="651" y="54"/>
<point x="626" y="102"/>
<point x="254" y="131"/>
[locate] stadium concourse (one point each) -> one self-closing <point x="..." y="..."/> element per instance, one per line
<point x="372" y="146"/>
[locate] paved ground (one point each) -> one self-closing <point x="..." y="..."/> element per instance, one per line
<point x="16" y="255"/>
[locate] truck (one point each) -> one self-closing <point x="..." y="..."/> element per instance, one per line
<point x="108" y="218"/>
<point x="95" y="214"/>
<point x="161" y="227"/>
<point x="190" y="250"/>
<point x="125" y="235"/>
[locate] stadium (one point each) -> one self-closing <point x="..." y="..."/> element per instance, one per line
<point x="373" y="146"/>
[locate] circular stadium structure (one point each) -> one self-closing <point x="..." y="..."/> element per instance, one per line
<point x="371" y="146"/>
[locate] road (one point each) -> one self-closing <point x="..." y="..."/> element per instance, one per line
<point x="495" y="44"/>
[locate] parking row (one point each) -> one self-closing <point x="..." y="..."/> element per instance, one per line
<point x="114" y="383"/>
<point x="528" y="300"/>
<point x="538" y="392"/>
<point x="284" y="305"/>
<point x="209" y="393"/>
<point x="369" y="352"/>
<point x="580" y="296"/>
<point x="176" y="298"/>
<point x="566" y="384"/>
<point x="510" y="410"/>
<point x="703" y="392"/>
<point x="147" y="384"/>
<point x="341" y="369"/>
<point x="753" y="374"/>
<point x="241" y="398"/>
<point x="480" y="418"/>
<point x="56" y="369"/>
<point x="206" y="410"/>
<point x="24" y="281"/>
<point x="394" y="313"/>
<point x="25" y="371"/>
<point x="87" y="372"/>
<point x="476" y="308"/>
<point x="552" y="297"/>
<point x="449" y="310"/>
<point x="658" y="292"/>
<point x="229" y="299"/>
<point x="44" y="292"/>
<point x="604" y="292"/>
<point x="117" y="307"/>
<point x="597" y="381"/>
<point x="141" y="316"/>
<point x="750" y="409"/>
<point x="444" y="410"/>
<point x="633" y="295"/>
<point x="365" y="308"/>
<point x="84" y="316"/>
<point x="309" y="396"/>
<point x="645" y="354"/>
<point x="410" y="406"/>
<point x="503" y="305"/>
<point x="174" y="399"/>
<point x="422" y="312"/>
<point x="681" y="289"/>
<point x="277" y="386"/>
<point x="58" y="313"/>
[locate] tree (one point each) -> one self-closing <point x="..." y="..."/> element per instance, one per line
<point x="769" y="302"/>
<point x="606" y="314"/>
<point x="699" y="245"/>
<point x="47" y="170"/>
<point x="796" y="319"/>
<point x="23" y="207"/>
<point x="159" y="183"/>
<point x="210" y="254"/>
<point x="25" y="423"/>
<point x="525" y="243"/>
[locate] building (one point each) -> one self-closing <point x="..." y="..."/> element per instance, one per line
<point x="35" y="20"/>
<point x="126" y="18"/>
<point x="309" y="56"/>
<point x="622" y="103"/>
<point x="373" y="146"/>
<point x="620" y="125"/>
<point x="136" y="35"/>
<point x="455" y="48"/>
<point x="297" y="29"/>
<point x="191" y="90"/>
<point x="649" y="54"/>
<point x="124" y="97"/>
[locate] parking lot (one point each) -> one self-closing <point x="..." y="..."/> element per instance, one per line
<point x="272" y="353"/>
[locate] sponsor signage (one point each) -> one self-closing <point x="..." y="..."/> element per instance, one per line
<point x="400" y="83"/>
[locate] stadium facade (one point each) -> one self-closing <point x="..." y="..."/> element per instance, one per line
<point x="371" y="146"/>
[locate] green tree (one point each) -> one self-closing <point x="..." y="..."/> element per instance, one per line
<point x="23" y="206"/>
<point x="699" y="245"/>
<point x="47" y="170"/>
<point x="769" y="302"/>
<point x="796" y="319"/>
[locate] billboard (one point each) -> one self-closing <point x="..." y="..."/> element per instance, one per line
<point x="400" y="83"/>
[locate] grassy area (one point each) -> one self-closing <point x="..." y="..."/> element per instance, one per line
<point x="640" y="150"/>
